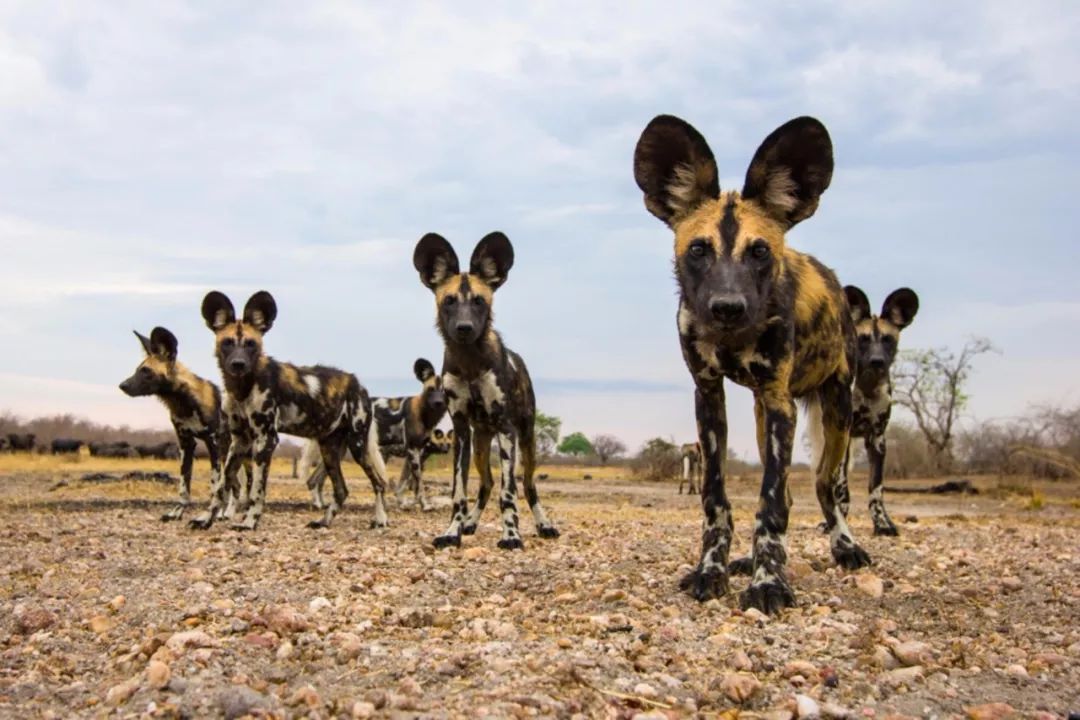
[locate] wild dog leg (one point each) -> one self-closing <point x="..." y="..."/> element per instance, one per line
<point x="220" y="485"/>
<point x="414" y="461"/>
<point x="371" y="462"/>
<point x="769" y="591"/>
<point x="511" y="535"/>
<point x="710" y="578"/>
<point x="315" y="483"/>
<point x="875" y="453"/>
<point x="187" y="458"/>
<point x="263" y="452"/>
<point x="482" y="461"/>
<point x="527" y="444"/>
<point x="331" y="451"/>
<point x="459" y="503"/>
<point x="745" y="564"/>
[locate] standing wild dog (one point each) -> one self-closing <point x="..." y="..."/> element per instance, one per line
<point x="878" y="337"/>
<point x="763" y="315"/>
<point x="487" y="385"/>
<point x="194" y="406"/>
<point x="406" y="427"/>
<point x="264" y="397"/>
<point x="690" y="454"/>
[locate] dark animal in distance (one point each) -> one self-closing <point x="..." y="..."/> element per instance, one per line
<point x="24" y="442"/>
<point x="61" y="446"/>
<point x="117" y="449"/>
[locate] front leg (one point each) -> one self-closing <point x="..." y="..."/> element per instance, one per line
<point x="710" y="578"/>
<point x="187" y="457"/>
<point x="262" y="453"/>
<point x="459" y="503"/>
<point x="875" y="453"/>
<point x="511" y="537"/>
<point x="415" y="462"/>
<point x="221" y="482"/>
<point x="769" y="591"/>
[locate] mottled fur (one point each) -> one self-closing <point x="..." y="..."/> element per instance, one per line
<point x="264" y="397"/>
<point x="690" y="459"/>
<point x="765" y="316"/>
<point x="487" y="385"/>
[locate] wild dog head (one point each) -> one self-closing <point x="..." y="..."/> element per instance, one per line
<point x="239" y="343"/>
<point x="154" y="374"/>
<point x="440" y="442"/>
<point x="878" y="336"/>
<point x="463" y="300"/>
<point x="729" y="246"/>
<point x="432" y="397"/>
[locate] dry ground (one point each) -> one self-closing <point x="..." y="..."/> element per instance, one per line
<point x="105" y="611"/>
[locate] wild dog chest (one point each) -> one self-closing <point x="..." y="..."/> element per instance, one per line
<point x="870" y="411"/>
<point x="481" y="399"/>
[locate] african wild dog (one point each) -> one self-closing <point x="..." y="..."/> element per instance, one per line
<point x="878" y="337"/>
<point x="406" y="426"/>
<point x="264" y="397"/>
<point x="487" y="385"/>
<point x="763" y="315"/>
<point x="194" y="406"/>
<point x="690" y="455"/>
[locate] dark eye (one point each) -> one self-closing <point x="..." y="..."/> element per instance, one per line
<point x="887" y="340"/>
<point x="864" y="339"/>
<point x="478" y="301"/>
<point x="145" y="371"/>
<point x="760" y="251"/>
<point x="698" y="248"/>
<point x="249" y="343"/>
<point x="228" y="343"/>
<point x="450" y="300"/>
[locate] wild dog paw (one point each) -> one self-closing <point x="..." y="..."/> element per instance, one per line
<point x="378" y="524"/>
<point x="318" y="524"/>
<point x="202" y="522"/>
<point x="850" y="556"/>
<point x="445" y="541"/>
<point x="887" y="530"/>
<point x="824" y="527"/>
<point x="547" y="531"/>
<point x="769" y="597"/>
<point x="247" y="523"/>
<point x="468" y="529"/>
<point x="741" y="566"/>
<point x="175" y="514"/>
<point x="511" y="544"/>
<point x="704" y="585"/>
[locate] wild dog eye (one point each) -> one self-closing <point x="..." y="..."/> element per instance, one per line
<point x="228" y="343"/>
<point x="478" y="301"/>
<point x="887" y="339"/>
<point x="698" y="248"/>
<point x="864" y="339"/>
<point x="759" y="251"/>
<point x="249" y="343"/>
<point x="450" y="300"/>
<point x="145" y="371"/>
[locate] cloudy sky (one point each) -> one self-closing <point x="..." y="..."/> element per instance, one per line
<point x="150" y="152"/>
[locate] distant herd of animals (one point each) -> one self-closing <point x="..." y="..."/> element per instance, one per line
<point x="751" y="310"/>
<point x="27" y="442"/>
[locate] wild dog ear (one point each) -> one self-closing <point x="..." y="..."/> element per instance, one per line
<point x="492" y="259"/>
<point x="791" y="170"/>
<point x="163" y="343"/>
<point x="423" y="369"/>
<point x="260" y="311"/>
<point x="217" y="310"/>
<point x="435" y="260"/>
<point x="900" y="307"/>
<point x="675" y="168"/>
<point x="858" y="303"/>
<point x="144" y="341"/>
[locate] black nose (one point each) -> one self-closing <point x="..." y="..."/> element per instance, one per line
<point x="464" y="329"/>
<point x="124" y="386"/>
<point x="728" y="308"/>
<point x="877" y="363"/>
<point x="237" y="365"/>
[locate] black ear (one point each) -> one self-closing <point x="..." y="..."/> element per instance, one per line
<point x="900" y="307"/>
<point x="423" y="369"/>
<point x="217" y="310"/>
<point x="492" y="259"/>
<point x="163" y="343"/>
<point x="858" y="303"/>
<point x="791" y="170"/>
<point x="435" y="260"/>
<point x="144" y="341"/>
<point x="260" y="311"/>
<point x="675" y="168"/>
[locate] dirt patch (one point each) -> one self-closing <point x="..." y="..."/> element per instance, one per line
<point x="105" y="609"/>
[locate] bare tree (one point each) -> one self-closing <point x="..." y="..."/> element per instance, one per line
<point x="606" y="447"/>
<point x="930" y="384"/>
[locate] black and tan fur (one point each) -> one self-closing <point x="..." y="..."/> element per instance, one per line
<point x="487" y="385"/>
<point x="877" y="338"/>
<point x="690" y="460"/>
<point x="264" y="397"/>
<point x="406" y="427"/>
<point x="763" y="315"/>
<point x="194" y="406"/>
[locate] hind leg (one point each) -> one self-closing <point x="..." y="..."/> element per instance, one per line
<point x="834" y="402"/>
<point x="527" y="444"/>
<point x="875" y="453"/>
<point x="315" y="484"/>
<point x="331" y="450"/>
<point x="459" y="499"/>
<point x="482" y="461"/>
<point x="367" y="454"/>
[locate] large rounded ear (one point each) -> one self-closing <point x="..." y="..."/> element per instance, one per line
<point x="260" y="311"/>
<point x="423" y="369"/>
<point x="492" y="259"/>
<point x="144" y="341"/>
<point x="858" y="303"/>
<point x="791" y="170"/>
<point x="435" y="260"/>
<point x="675" y="168"/>
<point x="217" y="310"/>
<point x="900" y="307"/>
<point x="163" y="343"/>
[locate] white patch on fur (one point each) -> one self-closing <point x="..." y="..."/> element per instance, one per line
<point x="815" y="434"/>
<point x="221" y="318"/>
<point x="313" y="385"/>
<point x="490" y="392"/>
<point x="780" y="190"/>
<point x="457" y="387"/>
<point x="684" y="189"/>
<point x="488" y="269"/>
<point x="686" y="320"/>
<point x="439" y="271"/>
<point x="686" y="468"/>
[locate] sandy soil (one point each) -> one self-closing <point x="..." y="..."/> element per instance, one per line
<point x="105" y="611"/>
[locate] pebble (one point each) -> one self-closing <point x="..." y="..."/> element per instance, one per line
<point x="116" y="603"/>
<point x="362" y="709"/>
<point x="990" y="711"/>
<point x="474" y="553"/>
<point x="741" y="661"/>
<point x="902" y="676"/>
<point x="31" y="620"/>
<point x="870" y="584"/>
<point x="237" y="701"/>
<point x="1016" y="670"/>
<point x="189" y="639"/>
<point x="912" y="652"/>
<point x="645" y="690"/>
<point x="800" y="667"/>
<point x="305" y="695"/>
<point x="739" y="687"/>
<point x="101" y="624"/>
<point x="319" y="604"/>
<point x="120" y="694"/>
<point x="158" y="674"/>
<point x="806" y="707"/>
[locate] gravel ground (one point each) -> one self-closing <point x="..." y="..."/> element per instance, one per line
<point x="104" y="611"/>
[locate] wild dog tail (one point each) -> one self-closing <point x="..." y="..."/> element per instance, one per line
<point x="527" y="451"/>
<point x="815" y="432"/>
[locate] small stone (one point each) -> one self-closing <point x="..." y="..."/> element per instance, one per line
<point x="119" y="694"/>
<point x="806" y="707"/>
<point x="474" y="553"/>
<point x="741" y="661"/>
<point x="319" y="604"/>
<point x="305" y="695"/>
<point x="755" y="615"/>
<point x="870" y="584"/>
<point x="565" y="643"/>
<point x="117" y="602"/>
<point x="31" y="620"/>
<point x="645" y="690"/>
<point x="1016" y="670"/>
<point x="238" y="701"/>
<point x="884" y="658"/>
<point x="836" y="712"/>
<point x="101" y="624"/>
<point x="739" y="687"/>
<point x="990" y="711"/>
<point x="1011" y="583"/>
<point x="902" y="676"/>
<point x="912" y="652"/>
<point x="284" y="651"/>
<point x="158" y="674"/>
<point x="362" y="709"/>
<point x="800" y="667"/>
<point x="189" y="639"/>
<point x="284" y="620"/>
